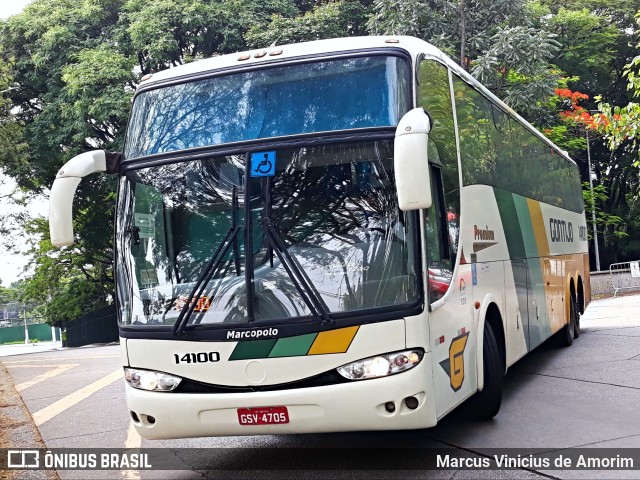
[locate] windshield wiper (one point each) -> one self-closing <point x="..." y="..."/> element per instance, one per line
<point x="203" y="280"/>
<point x="298" y="276"/>
<point x="234" y="224"/>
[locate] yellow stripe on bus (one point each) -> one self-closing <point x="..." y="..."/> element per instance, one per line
<point x="538" y="227"/>
<point x="333" y="341"/>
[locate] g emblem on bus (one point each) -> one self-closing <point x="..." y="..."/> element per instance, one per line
<point x="454" y="365"/>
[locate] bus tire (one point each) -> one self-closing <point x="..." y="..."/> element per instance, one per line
<point x="485" y="405"/>
<point x="576" y="329"/>
<point x="568" y="333"/>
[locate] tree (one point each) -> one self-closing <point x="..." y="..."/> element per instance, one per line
<point x="341" y="18"/>
<point x="516" y="66"/>
<point x="13" y="159"/>
<point x="165" y="33"/>
<point x="588" y="48"/>
<point x="463" y="26"/>
<point x="494" y="40"/>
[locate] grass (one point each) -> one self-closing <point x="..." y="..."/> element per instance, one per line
<point x="20" y="342"/>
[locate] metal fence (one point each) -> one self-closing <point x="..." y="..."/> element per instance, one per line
<point x="13" y="314"/>
<point x="625" y="276"/>
<point x="99" y="326"/>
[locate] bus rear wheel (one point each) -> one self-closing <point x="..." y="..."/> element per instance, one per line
<point x="568" y="333"/>
<point x="576" y="329"/>
<point x="485" y="405"/>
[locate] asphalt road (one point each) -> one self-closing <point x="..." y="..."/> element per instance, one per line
<point x="556" y="398"/>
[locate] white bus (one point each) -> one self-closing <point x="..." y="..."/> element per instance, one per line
<point x="349" y="234"/>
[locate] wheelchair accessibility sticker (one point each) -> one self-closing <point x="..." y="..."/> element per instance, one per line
<point x="263" y="164"/>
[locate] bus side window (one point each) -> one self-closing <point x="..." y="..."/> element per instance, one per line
<point x="438" y="239"/>
<point x="442" y="219"/>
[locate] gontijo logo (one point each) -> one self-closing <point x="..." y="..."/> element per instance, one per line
<point x="561" y="231"/>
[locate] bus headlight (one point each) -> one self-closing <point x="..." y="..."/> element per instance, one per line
<point x="381" y="365"/>
<point x="149" y="380"/>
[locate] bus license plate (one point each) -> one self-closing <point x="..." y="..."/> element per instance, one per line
<point x="263" y="416"/>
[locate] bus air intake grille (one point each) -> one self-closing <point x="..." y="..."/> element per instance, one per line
<point x="327" y="378"/>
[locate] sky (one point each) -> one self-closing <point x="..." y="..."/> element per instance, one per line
<point x="11" y="7"/>
<point x="11" y="264"/>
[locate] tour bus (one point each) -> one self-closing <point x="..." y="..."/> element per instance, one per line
<point x="346" y="234"/>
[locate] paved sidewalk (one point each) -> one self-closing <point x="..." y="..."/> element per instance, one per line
<point x="21" y="349"/>
<point x="17" y="430"/>
<point x="618" y="312"/>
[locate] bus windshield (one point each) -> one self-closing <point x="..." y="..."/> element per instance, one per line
<point x="324" y="214"/>
<point x="285" y="100"/>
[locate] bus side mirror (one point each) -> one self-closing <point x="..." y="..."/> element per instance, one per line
<point x="63" y="190"/>
<point x="410" y="161"/>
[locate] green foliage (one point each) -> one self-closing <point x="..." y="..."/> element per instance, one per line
<point x="621" y="124"/>
<point x="8" y="295"/>
<point x="516" y="66"/>
<point x="413" y="17"/>
<point x="71" y="281"/>
<point x="460" y="26"/>
<point x="13" y="158"/>
<point x="100" y="81"/>
<point x="164" y="33"/>
<point x="588" y="47"/>
<point x="492" y="39"/>
<point x="613" y="227"/>
<point x="73" y="298"/>
<point x="43" y="41"/>
<point x="341" y="18"/>
<point x="565" y="138"/>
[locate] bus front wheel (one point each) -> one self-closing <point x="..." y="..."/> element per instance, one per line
<point x="485" y="405"/>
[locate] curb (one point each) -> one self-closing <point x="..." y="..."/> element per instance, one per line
<point x="17" y="429"/>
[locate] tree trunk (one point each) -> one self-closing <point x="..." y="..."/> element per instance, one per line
<point x="463" y="36"/>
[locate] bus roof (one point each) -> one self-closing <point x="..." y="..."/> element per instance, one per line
<point x="274" y="55"/>
<point x="280" y="53"/>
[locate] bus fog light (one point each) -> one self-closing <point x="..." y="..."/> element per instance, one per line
<point x="381" y="365"/>
<point x="149" y="380"/>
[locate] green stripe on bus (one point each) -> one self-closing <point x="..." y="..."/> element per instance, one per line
<point x="293" y="346"/>
<point x="526" y="226"/>
<point x="253" y="349"/>
<point x="510" y="223"/>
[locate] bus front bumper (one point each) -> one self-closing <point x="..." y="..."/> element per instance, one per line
<point x="360" y="405"/>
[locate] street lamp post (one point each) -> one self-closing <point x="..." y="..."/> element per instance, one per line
<point x="593" y="205"/>
<point x="26" y="329"/>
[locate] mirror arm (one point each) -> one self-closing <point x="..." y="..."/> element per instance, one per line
<point x="64" y="188"/>
<point x="113" y="160"/>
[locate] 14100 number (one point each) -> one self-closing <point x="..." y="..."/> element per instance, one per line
<point x="202" y="357"/>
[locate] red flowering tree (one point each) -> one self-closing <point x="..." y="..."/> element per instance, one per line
<point x="573" y="112"/>
<point x="571" y="120"/>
